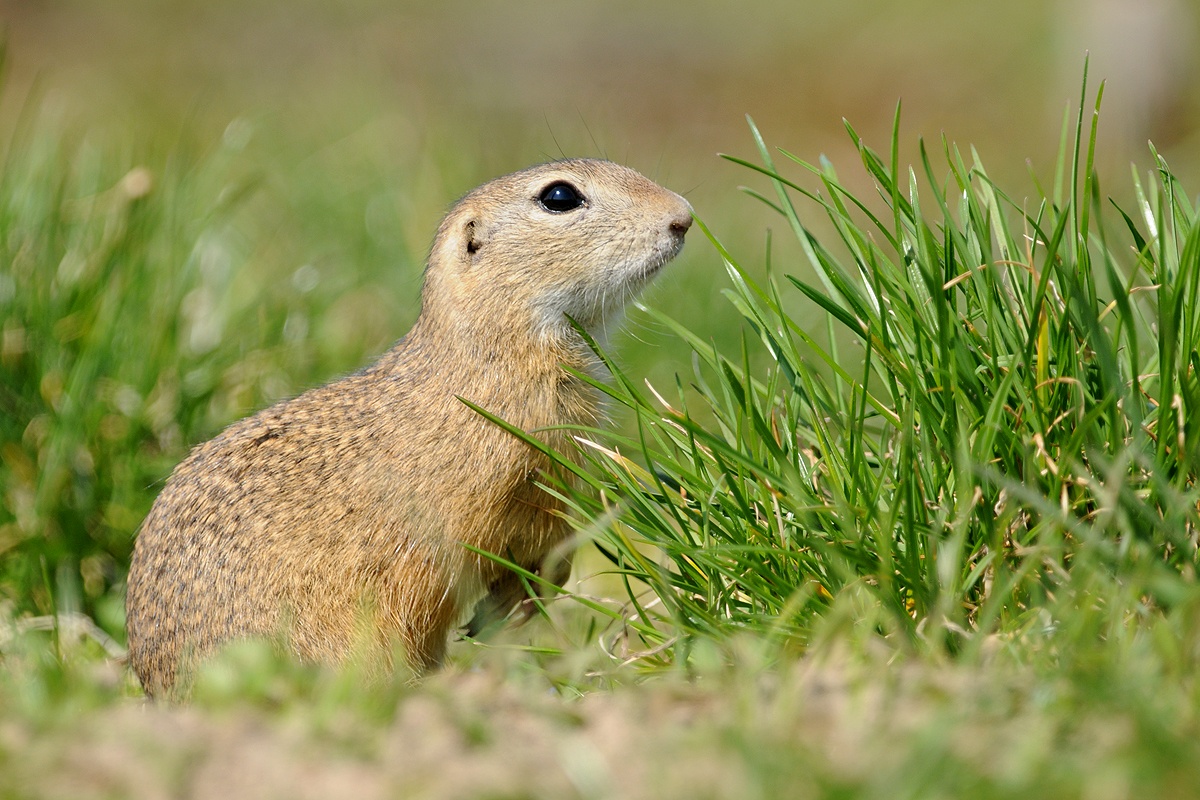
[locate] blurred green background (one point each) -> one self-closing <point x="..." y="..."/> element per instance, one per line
<point x="299" y="156"/>
<point x="367" y="119"/>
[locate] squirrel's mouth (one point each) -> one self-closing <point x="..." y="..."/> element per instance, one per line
<point x="660" y="259"/>
<point x="596" y="301"/>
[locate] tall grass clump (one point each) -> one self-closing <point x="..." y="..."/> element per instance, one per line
<point x="120" y="273"/>
<point x="990" y="426"/>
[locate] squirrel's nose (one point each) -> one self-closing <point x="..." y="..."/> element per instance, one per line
<point x="682" y="218"/>
<point x="679" y="226"/>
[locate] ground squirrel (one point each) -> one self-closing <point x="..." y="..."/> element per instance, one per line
<point x="357" y="497"/>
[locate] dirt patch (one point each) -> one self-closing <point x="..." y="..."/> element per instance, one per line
<point x="814" y="728"/>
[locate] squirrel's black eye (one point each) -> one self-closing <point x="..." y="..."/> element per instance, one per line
<point x="560" y="197"/>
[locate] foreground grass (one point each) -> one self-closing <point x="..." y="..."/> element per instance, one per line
<point x="836" y="723"/>
<point x="989" y="427"/>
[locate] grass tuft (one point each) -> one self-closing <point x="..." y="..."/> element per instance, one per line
<point x="989" y="429"/>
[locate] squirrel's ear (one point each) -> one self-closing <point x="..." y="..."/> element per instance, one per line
<point x="459" y="239"/>
<point x="472" y="237"/>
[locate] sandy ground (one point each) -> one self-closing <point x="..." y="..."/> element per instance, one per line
<point x="818" y="729"/>
<point x="459" y="735"/>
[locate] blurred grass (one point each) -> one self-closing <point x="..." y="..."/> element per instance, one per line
<point x="862" y="723"/>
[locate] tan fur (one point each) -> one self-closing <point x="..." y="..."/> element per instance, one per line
<point x="360" y="494"/>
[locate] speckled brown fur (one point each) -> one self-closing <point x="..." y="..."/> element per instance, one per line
<point x="356" y="497"/>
